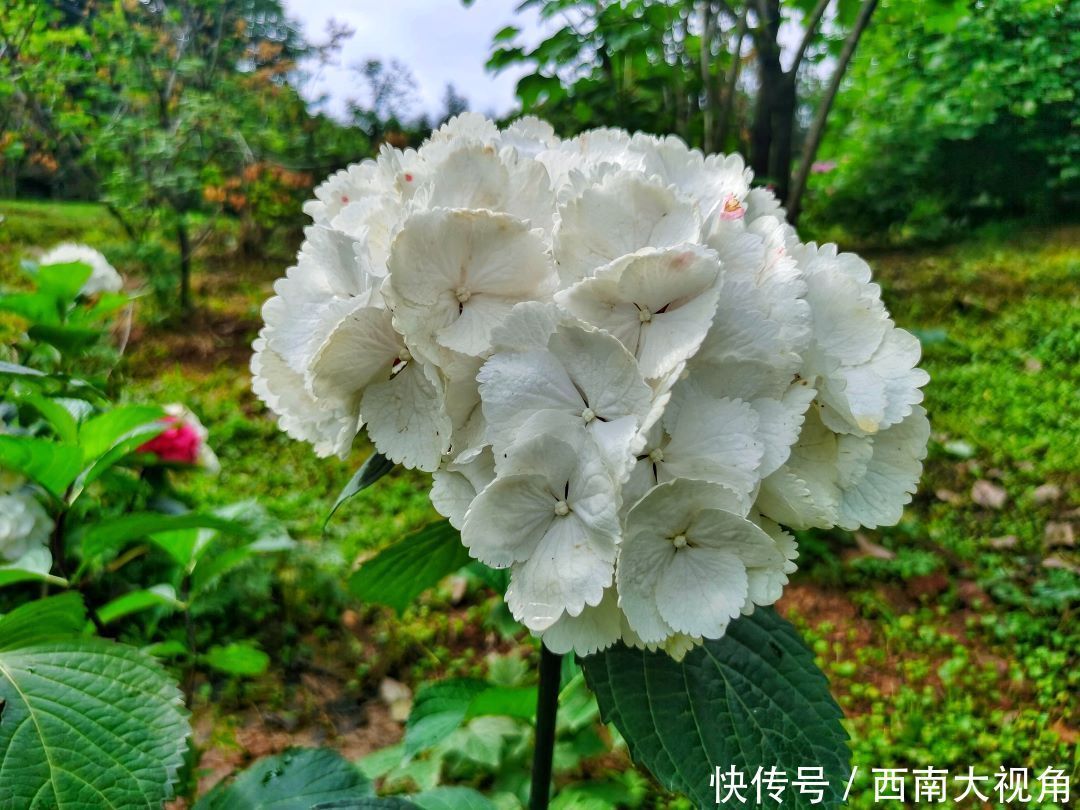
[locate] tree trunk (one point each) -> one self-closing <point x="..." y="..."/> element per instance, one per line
<point x="821" y="115"/>
<point x="783" y="125"/>
<point x="770" y="81"/>
<point x="727" y="112"/>
<point x="184" y="243"/>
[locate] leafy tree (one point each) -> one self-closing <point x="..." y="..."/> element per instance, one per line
<point x="675" y="66"/>
<point x="956" y="116"/>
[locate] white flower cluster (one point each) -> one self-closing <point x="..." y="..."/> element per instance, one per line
<point x="103" y="276"/>
<point x="24" y="525"/>
<point x="624" y="370"/>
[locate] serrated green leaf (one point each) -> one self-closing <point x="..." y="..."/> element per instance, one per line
<point x="163" y="595"/>
<point x="48" y="619"/>
<point x="753" y="698"/>
<point x="452" y="798"/>
<point x="375" y="467"/>
<point x="99" y="540"/>
<point x="87" y="724"/>
<point x="53" y="465"/>
<point x="438" y="711"/>
<point x="299" y="779"/>
<point x="238" y="658"/>
<point x="372" y="803"/>
<point x="400" y="573"/>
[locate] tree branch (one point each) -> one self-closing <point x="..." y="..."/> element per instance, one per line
<point x="817" y="128"/>
<point x="812" y="23"/>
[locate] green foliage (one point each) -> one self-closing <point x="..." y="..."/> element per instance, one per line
<point x="955" y="118"/>
<point x="86" y="722"/>
<point x="299" y="779"/>
<point x="403" y="571"/>
<point x="374" y="467"/>
<point x="754" y="699"/>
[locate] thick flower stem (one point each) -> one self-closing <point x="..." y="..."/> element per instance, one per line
<point x="547" y="705"/>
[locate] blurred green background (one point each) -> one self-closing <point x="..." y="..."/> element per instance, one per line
<point x="939" y="138"/>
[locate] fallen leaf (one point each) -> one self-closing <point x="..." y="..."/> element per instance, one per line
<point x="1059" y="534"/>
<point x="959" y="448"/>
<point x="1007" y="541"/>
<point x="458" y="586"/>
<point x="1046" y="493"/>
<point x="988" y="495"/>
<point x="1070" y="736"/>
<point x="949" y="497"/>
<point x="1032" y="365"/>
<point x="872" y="549"/>
<point x="397" y="697"/>
<point x="1057" y="562"/>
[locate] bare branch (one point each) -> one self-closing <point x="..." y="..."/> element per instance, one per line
<point x="817" y="128"/>
<point x="812" y="23"/>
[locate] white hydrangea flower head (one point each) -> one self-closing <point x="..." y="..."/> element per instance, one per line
<point x="103" y="276"/>
<point x="24" y="525"/>
<point x="627" y="375"/>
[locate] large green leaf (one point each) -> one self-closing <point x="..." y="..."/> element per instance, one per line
<point x="299" y="779"/>
<point x="101" y="433"/>
<point x="753" y="698"/>
<point x="452" y="798"/>
<point x="237" y="658"/>
<point x="48" y="619"/>
<point x="87" y="724"/>
<point x="403" y="571"/>
<point x="375" y="467"/>
<point x="439" y="709"/>
<point x="444" y="706"/>
<point x="54" y="465"/>
<point x="107" y="537"/>
<point x="62" y="281"/>
<point x="57" y="414"/>
<point x="163" y="595"/>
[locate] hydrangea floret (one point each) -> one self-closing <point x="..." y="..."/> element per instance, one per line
<point x="628" y="377"/>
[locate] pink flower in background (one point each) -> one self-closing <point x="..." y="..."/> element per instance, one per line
<point x="179" y="443"/>
<point x="822" y="166"/>
<point x="184" y="442"/>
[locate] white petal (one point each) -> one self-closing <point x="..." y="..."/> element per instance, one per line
<point x="569" y="569"/>
<point x="878" y="496"/>
<point x="407" y="419"/>
<point x="360" y="349"/>
<point x="454" y="487"/>
<point x="508" y="520"/>
<point x="622" y="215"/>
<point x="594" y="629"/>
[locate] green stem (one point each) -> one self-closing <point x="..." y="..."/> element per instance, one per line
<point x="547" y="706"/>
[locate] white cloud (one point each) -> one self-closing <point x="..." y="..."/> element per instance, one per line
<point x="441" y="41"/>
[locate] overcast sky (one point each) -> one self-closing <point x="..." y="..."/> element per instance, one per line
<point x="440" y="41"/>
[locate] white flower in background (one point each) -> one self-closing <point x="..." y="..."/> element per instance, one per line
<point x="24" y="525"/>
<point x="103" y="276"/>
<point x="625" y="372"/>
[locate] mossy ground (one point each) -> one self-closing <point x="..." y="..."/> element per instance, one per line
<point x="950" y="640"/>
